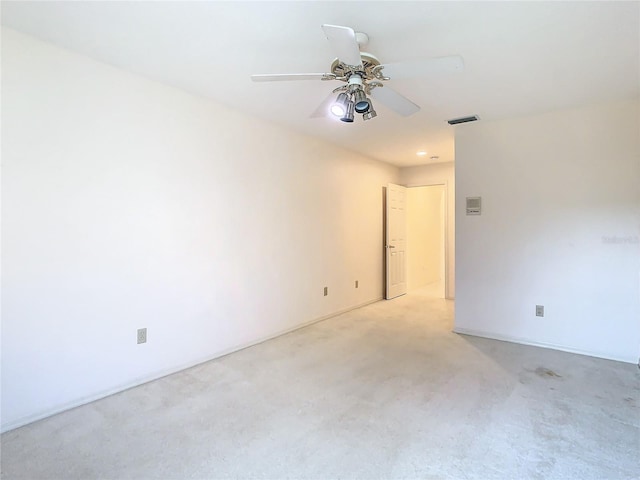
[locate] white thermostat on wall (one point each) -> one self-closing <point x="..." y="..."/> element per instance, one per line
<point x="474" y="205"/>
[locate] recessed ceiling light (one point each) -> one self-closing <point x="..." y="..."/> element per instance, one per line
<point x="421" y="153"/>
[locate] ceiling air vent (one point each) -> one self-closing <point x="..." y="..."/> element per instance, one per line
<point x="456" y="121"/>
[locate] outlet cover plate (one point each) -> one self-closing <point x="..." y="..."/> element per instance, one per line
<point x="142" y="335"/>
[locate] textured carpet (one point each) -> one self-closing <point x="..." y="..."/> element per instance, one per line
<point x="385" y="391"/>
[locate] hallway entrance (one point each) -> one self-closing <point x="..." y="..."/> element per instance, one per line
<point x="426" y="239"/>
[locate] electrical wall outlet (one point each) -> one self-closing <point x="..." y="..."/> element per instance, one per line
<point x="142" y="335"/>
<point x="539" y="310"/>
<point x="356" y="283"/>
<point x="326" y="291"/>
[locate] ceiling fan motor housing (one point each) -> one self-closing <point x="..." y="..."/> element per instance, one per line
<point x="365" y="70"/>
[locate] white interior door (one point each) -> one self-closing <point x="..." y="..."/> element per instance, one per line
<point x="396" y="241"/>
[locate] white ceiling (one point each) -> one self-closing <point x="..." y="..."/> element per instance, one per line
<point x="520" y="58"/>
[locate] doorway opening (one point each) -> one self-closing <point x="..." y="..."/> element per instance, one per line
<point x="426" y="240"/>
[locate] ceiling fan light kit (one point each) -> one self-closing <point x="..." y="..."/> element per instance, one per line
<point x="364" y="76"/>
<point x="361" y="101"/>
<point x="348" y="115"/>
<point x="339" y="107"/>
<point x="352" y="98"/>
<point x="369" y="115"/>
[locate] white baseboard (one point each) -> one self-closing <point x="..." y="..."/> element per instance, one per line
<point x="163" y="373"/>
<point x="524" y="341"/>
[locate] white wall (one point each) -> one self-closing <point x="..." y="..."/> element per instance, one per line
<point x="560" y="227"/>
<point x="129" y="204"/>
<point x="425" y="248"/>
<point x="439" y="173"/>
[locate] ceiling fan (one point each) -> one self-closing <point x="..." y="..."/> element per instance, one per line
<point x="363" y="76"/>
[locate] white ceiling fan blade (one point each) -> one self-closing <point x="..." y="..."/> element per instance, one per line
<point x="280" y="77"/>
<point x="423" y="68"/>
<point x="344" y="44"/>
<point x="393" y="100"/>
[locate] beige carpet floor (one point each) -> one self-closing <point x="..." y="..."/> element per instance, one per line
<point x="385" y="391"/>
